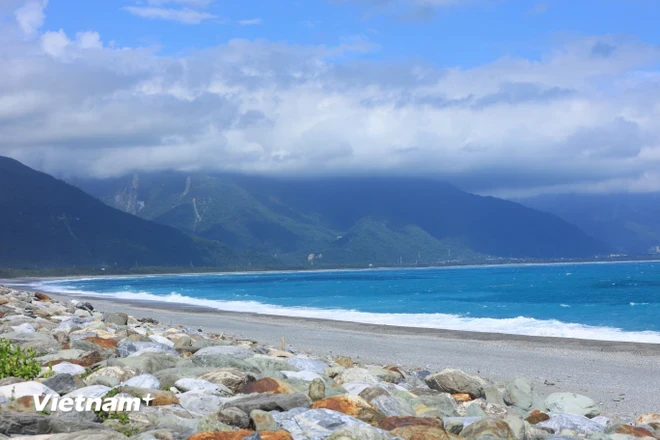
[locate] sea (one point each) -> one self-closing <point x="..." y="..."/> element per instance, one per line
<point x="597" y="301"/>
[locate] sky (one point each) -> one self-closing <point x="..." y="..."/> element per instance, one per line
<point x="503" y="97"/>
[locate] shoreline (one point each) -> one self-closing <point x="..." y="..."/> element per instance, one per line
<point x="10" y="281"/>
<point x="600" y="369"/>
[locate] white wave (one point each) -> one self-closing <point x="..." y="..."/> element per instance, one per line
<point x="513" y="326"/>
<point x="638" y="304"/>
<point x="564" y="305"/>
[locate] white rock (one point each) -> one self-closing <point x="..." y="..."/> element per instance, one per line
<point x="188" y="384"/>
<point x="356" y="387"/>
<point x="161" y="340"/>
<point x="91" y="391"/>
<point x="201" y="401"/>
<point x="226" y="350"/>
<point x="24" y="328"/>
<point x="29" y="388"/>
<point x="69" y="368"/>
<point x="301" y="375"/>
<point x="574" y="422"/>
<point x="143" y="381"/>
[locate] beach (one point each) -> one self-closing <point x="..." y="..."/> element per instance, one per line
<point x="619" y="376"/>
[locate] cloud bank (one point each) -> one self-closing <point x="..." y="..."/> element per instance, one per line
<point x="582" y="118"/>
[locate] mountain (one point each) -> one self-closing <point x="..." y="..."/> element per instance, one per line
<point x="630" y="223"/>
<point x="47" y="223"/>
<point x="346" y="220"/>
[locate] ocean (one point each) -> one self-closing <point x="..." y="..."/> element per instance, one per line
<point x="600" y="301"/>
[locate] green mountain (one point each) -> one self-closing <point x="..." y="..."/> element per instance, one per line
<point x="345" y="221"/>
<point x="46" y="223"/>
<point x="630" y="223"/>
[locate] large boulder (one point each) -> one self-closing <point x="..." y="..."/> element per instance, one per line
<point x="315" y="424"/>
<point x="456" y="382"/>
<point x="232" y="378"/>
<point x="571" y="403"/>
<point x="522" y="393"/>
<point x="269" y="402"/>
<point x="574" y="422"/>
<point x="29" y="388"/>
<point x="360" y="433"/>
<point x="354" y="406"/>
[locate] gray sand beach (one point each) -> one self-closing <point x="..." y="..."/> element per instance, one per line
<point x="621" y="377"/>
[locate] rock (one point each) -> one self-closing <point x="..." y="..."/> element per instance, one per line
<point x="69" y="368"/>
<point x="232" y="378"/>
<point x="392" y="406"/>
<point x="633" y="431"/>
<point x="201" y="401"/>
<point x="386" y="375"/>
<point x="143" y="381"/>
<point x="263" y="421"/>
<point x="268" y="385"/>
<point x="155" y="434"/>
<point x="344" y="361"/>
<point x="126" y="348"/>
<point x="234" y="417"/>
<point x="517" y="425"/>
<point x="462" y="397"/>
<point x="359" y="433"/>
<point x="522" y="393"/>
<point x="39" y="296"/>
<point x="570" y="403"/>
<point x="455" y="381"/>
<point x="310" y="365"/>
<point x="575" y="422"/>
<point x="29" y="388"/>
<point x="188" y="384"/>
<point x="420" y="433"/>
<point x="115" y="318"/>
<point x="270" y="402"/>
<point x="161" y="398"/>
<point x="36" y="424"/>
<point x="306" y="376"/>
<point x="648" y="419"/>
<point x="119" y="372"/>
<point x="488" y="429"/>
<point x="225" y="350"/>
<point x="222" y="361"/>
<point x="242" y="434"/>
<point x="315" y="424"/>
<point x="161" y="340"/>
<point x="184" y="343"/>
<point x="356" y="375"/>
<point x="61" y="383"/>
<point x="442" y="403"/>
<point x="352" y="405"/>
<point x="148" y="363"/>
<point x="537" y="417"/>
<point x="316" y="390"/>
<point x="102" y="343"/>
<point x="91" y="391"/>
<point x="391" y="423"/>
<point x="23" y="328"/>
<point x="453" y="426"/>
<point x="474" y="410"/>
<point x="61" y="355"/>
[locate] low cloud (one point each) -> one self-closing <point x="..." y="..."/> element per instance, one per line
<point x="251" y="22"/>
<point x="568" y="121"/>
<point x="30" y="17"/>
<point x="185" y="15"/>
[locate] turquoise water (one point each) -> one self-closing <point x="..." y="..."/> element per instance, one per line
<point x="619" y="301"/>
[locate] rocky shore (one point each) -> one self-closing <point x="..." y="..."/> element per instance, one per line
<point x="208" y="386"/>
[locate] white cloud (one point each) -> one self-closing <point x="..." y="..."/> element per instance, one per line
<point x="30" y="17"/>
<point x="584" y="116"/>
<point x="185" y="15"/>
<point x="251" y="22"/>
<point x="191" y="3"/>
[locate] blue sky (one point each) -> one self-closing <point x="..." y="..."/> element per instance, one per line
<point x="503" y="97"/>
<point x="466" y="33"/>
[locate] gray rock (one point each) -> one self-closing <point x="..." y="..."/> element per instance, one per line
<point x="61" y="355"/>
<point x="226" y="350"/>
<point x="29" y="388"/>
<point x="522" y="393"/>
<point x="316" y="390"/>
<point x="115" y="318"/>
<point x="127" y="348"/>
<point x="361" y="375"/>
<point x="575" y="422"/>
<point x="221" y="361"/>
<point x="36" y="424"/>
<point x="493" y="395"/>
<point x="453" y="426"/>
<point x="443" y="403"/>
<point x="201" y="402"/>
<point x="269" y="364"/>
<point x="456" y="381"/>
<point x="392" y="406"/>
<point x="311" y="365"/>
<point x="570" y="403"/>
<point x="61" y="383"/>
<point x="69" y="368"/>
<point x="315" y="424"/>
<point x="188" y="384"/>
<point x="474" y="410"/>
<point x="155" y="434"/>
<point x="147" y="363"/>
<point x="232" y="378"/>
<point x="270" y="402"/>
<point x="234" y="417"/>
<point x="360" y="433"/>
<point x="92" y="391"/>
<point x="262" y="421"/>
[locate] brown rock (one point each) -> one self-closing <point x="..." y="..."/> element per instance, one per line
<point x="3" y="301"/>
<point x="161" y="398"/>
<point x="241" y="434"/>
<point x="2" y="314"/>
<point x="635" y="431"/>
<point x="462" y="397"/>
<point x="537" y="417"/>
<point x="268" y="385"/>
<point x="354" y="406"/>
<point x="103" y="342"/>
<point x="316" y="390"/>
<point x="42" y="297"/>
<point x="391" y="423"/>
<point x="371" y="393"/>
<point x="420" y="433"/>
<point x="232" y="378"/>
<point x="344" y="361"/>
<point x="647" y="419"/>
